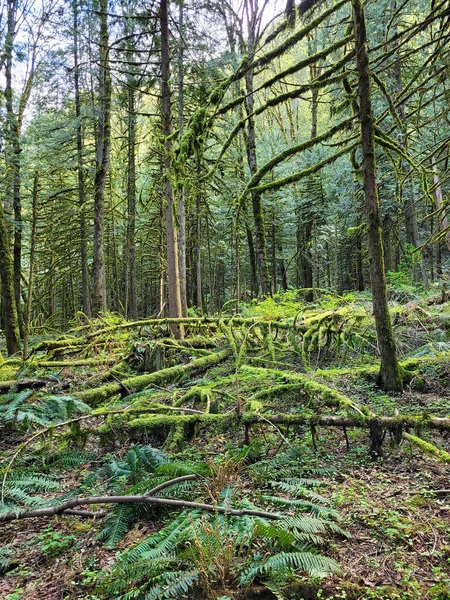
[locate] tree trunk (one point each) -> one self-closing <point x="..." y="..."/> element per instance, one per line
<point x="85" y="288"/>
<point x="182" y="200"/>
<point x="173" y="273"/>
<point x="102" y="166"/>
<point x="34" y="218"/>
<point x="7" y="262"/>
<point x="389" y="377"/>
<point x="409" y="210"/>
<point x="258" y="211"/>
<point x="130" y="261"/>
<point x="439" y="204"/>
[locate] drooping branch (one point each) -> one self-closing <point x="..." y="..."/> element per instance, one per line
<point x="279" y="183"/>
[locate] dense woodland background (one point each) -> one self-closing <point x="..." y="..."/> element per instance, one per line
<point x="84" y="125"/>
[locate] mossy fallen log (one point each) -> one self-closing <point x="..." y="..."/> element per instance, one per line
<point x="59" y="344"/>
<point x="250" y="418"/>
<point x="84" y="362"/>
<point x="24" y="384"/>
<point x="442" y="455"/>
<point x="329" y="396"/>
<point x="94" y="397"/>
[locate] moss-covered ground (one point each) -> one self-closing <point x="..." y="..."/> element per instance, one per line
<point x="201" y="400"/>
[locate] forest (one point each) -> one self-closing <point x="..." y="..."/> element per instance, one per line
<point x="224" y="300"/>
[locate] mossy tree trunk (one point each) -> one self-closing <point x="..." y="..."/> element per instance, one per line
<point x="389" y="377"/>
<point x="12" y="333"/>
<point x="6" y="260"/>
<point x="85" y="288"/>
<point x="173" y="271"/>
<point x="102" y="165"/>
<point x="258" y="211"/>
<point x="182" y="191"/>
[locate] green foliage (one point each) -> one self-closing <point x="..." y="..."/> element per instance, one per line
<point x="283" y="305"/>
<point x="53" y="543"/>
<point x="21" y="488"/>
<point x="211" y="554"/>
<point x="43" y="411"/>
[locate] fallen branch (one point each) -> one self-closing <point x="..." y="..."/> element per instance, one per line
<point x="166" y="484"/>
<point x="61" y="509"/>
<point x="428" y="448"/>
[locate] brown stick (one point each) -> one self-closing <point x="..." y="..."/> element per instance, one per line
<point x="167" y="484"/>
<point x="70" y="504"/>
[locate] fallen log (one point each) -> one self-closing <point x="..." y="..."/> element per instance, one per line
<point x="95" y="396"/>
<point x="23" y="384"/>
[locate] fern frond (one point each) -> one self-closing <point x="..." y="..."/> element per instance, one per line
<point x="117" y="525"/>
<point x="175" y="585"/>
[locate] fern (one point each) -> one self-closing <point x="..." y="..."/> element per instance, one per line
<point x="49" y="411"/>
<point x="117" y="525"/>
<point x="287" y="562"/>
<point x="18" y="489"/>
<point x="6" y="553"/>
<point x="175" y="584"/>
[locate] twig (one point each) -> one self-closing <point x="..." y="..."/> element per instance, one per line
<point x="167" y="484"/>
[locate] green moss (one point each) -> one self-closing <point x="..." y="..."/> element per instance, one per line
<point x="442" y="455"/>
<point x="97" y="396"/>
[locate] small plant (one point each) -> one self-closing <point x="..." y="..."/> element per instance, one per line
<point x="53" y="543"/>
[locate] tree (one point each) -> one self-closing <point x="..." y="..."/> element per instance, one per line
<point x="99" y="298"/>
<point x="390" y="376"/>
<point x="173" y="272"/>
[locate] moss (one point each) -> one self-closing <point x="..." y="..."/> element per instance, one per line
<point x="317" y="391"/>
<point x="155" y="421"/>
<point x="442" y="455"/>
<point x="96" y="396"/>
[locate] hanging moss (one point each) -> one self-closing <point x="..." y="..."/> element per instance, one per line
<point x="282" y="156"/>
<point x="296" y="37"/>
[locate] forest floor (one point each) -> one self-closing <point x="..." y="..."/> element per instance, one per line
<point x="395" y="507"/>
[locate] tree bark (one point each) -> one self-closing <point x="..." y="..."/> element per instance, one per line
<point x="182" y="199"/>
<point x="130" y="262"/>
<point x="102" y="165"/>
<point x="439" y="204"/>
<point x="389" y="376"/>
<point x="85" y="287"/>
<point x="8" y="262"/>
<point x="173" y="273"/>
<point x="258" y="211"/>
<point x="34" y="218"/>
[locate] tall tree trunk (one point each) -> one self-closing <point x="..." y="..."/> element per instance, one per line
<point x="198" y="244"/>
<point x="102" y="165"/>
<point x="130" y="244"/>
<point x="274" y="252"/>
<point x="409" y="210"/>
<point x="34" y="218"/>
<point x="439" y="204"/>
<point x="389" y="377"/>
<point x="258" y="211"/>
<point x="182" y="199"/>
<point x="173" y="273"/>
<point x="7" y="262"/>
<point x="85" y="287"/>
